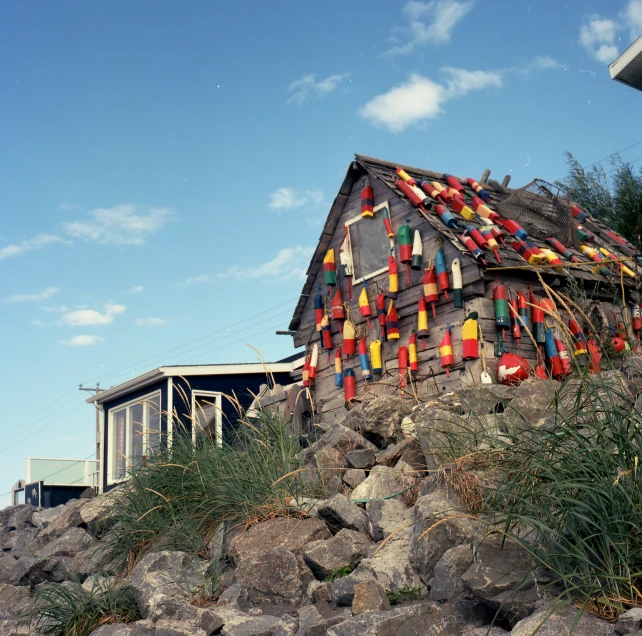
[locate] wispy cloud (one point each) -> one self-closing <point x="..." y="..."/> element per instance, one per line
<point x="123" y="224"/>
<point x="82" y="341"/>
<point x="544" y="63"/>
<point x="289" y="198"/>
<point x="68" y="206"/>
<point x="34" y="243"/>
<point x="92" y="317"/>
<point x="22" y="298"/>
<point x="138" y="289"/>
<point x="633" y="17"/>
<point x="150" y="322"/>
<point x="196" y="280"/>
<point x="597" y="37"/>
<point x="289" y="263"/>
<point x="428" y="23"/>
<point x="307" y="87"/>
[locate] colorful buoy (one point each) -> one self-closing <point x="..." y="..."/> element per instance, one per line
<point x="471" y="246"/>
<point x="349" y="385"/>
<point x="594" y="355"/>
<point x="512" y="369"/>
<point x="578" y="213"/>
<point x="326" y="334"/>
<point x="402" y="359"/>
<point x="537" y="318"/>
<point x="458" y="292"/>
<point x="364" y="363"/>
<point x="484" y="195"/>
<point x="443" y="192"/>
<point x="393" y="277"/>
<point x="429" y="280"/>
<point x="336" y="306"/>
<point x="498" y="234"/>
<point x="513" y="228"/>
<point x="453" y="182"/>
<point x="381" y="314"/>
<point x="630" y="273"/>
<point x="492" y="244"/>
<point x="459" y="205"/>
<point x="367" y="201"/>
<point x="392" y="322"/>
<point x="565" y="360"/>
<point x="446" y="351"/>
<point x="579" y="339"/>
<point x="500" y="298"/>
<point x="314" y="362"/>
<point x="375" y="356"/>
<point x="636" y="318"/>
<point x="516" y="328"/>
<point x="470" y="337"/>
<point x="412" y="352"/>
<point x="405" y="176"/>
<point x="338" y="369"/>
<point x="552" y="356"/>
<point x="345" y="258"/>
<point x="305" y="372"/>
<point x="416" y="261"/>
<point x="319" y="311"/>
<point x="422" y="322"/>
<point x="386" y="222"/>
<point x="582" y="234"/>
<point x="552" y="259"/>
<point x="405" y="247"/>
<point x="364" y="304"/>
<point x="430" y="190"/>
<point x="483" y="210"/>
<point x="562" y="250"/>
<point x="413" y="194"/>
<point x="440" y="267"/>
<point x="329" y="269"/>
<point x="349" y="339"/>
<point x="522" y="309"/>
<point x="446" y="217"/>
<point x="476" y="235"/>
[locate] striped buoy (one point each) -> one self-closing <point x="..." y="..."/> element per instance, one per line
<point x="314" y="363"/>
<point x="535" y="250"/>
<point x="338" y="369"/>
<point x="552" y="356"/>
<point x="582" y="234"/>
<point x="319" y="311"/>
<point x="367" y="201"/>
<point x="492" y="245"/>
<point x="476" y="235"/>
<point x="636" y="318"/>
<point x="349" y="385"/>
<point x="336" y="306"/>
<point x="429" y="280"/>
<point x="416" y="261"/>
<point x="459" y="205"/>
<point x="578" y="213"/>
<point x="512" y="369"/>
<point x="412" y="352"/>
<point x="431" y="191"/>
<point x="522" y="309"/>
<point x="364" y="304"/>
<point x="422" y="322"/>
<point x="446" y="217"/>
<point x="443" y="192"/>
<point x="446" y="351"/>
<point x="375" y="356"/>
<point x="579" y="339"/>
<point x="513" y="228"/>
<point x="552" y="259"/>
<point x="305" y="372"/>
<point x="458" y="292"/>
<point x="392" y="322"/>
<point x="326" y="334"/>
<point x="381" y="314"/>
<point x="563" y="251"/>
<point x="516" y="329"/>
<point x="405" y="176"/>
<point x="329" y="269"/>
<point x="416" y="196"/>
<point x="500" y="298"/>
<point x="565" y="360"/>
<point x="387" y="223"/>
<point x="405" y="247"/>
<point x="345" y="258"/>
<point x="453" y="182"/>
<point x="484" y="195"/>
<point x="402" y="359"/>
<point x="483" y="210"/>
<point x="393" y="277"/>
<point x="537" y="318"/>
<point x="366" y="374"/>
<point x="622" y="241"/>
<point x="470" y="337"/>
<point x="625" y="269"/>
<point x="440" y="267"/>
<point x="594" y="355"/>
<point x="525" y="252"/>
<point x="349" y="339"/>
<point x="471" y="246"/>
<point x="498" y="233"/>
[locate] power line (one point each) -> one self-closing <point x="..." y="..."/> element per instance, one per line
<point x="617" y="152"/>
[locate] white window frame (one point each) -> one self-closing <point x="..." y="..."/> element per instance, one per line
<point x="358" y="218"/>
<point x="218" y="396"/>
<point x="145" y="399"/>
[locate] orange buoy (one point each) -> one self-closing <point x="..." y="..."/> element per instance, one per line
<point x="470" y="336"/>
<point x="364" y="304"/>
<point x="446" y="351"/>
<point x="392" y="322"/>
<point x="305" y="372"/>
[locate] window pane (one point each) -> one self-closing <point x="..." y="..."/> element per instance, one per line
<point x="206" y="414"/>
<point x="119" y="451"/>
<point x="137" y="425"/>
<point x="370" y="245"/>
<point x="153" y="423"/>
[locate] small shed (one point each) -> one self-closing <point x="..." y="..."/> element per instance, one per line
<point x="490" y="233"/>
<point x="141" y="416"/>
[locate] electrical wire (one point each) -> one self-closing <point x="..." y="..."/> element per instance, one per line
<point x="617" y="152"/>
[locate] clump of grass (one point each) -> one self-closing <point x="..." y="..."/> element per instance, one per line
<point x="67" y="609"/>
<point x="340" y="572"/>
<point x="179" y="498"/>
<point x="403" y="595"/>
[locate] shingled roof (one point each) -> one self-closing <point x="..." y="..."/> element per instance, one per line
<point x="501" y="199"/>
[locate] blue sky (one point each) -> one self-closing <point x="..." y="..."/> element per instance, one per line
<point x="167" y="166"/>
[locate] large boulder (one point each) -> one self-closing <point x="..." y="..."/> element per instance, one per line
<point x="547" y="622"/>
<point x="353" y="477"/>
<point x="329" y="464"/>
<point x="22" y="542"/>
<point x="276" y="576"/>
<point x="13" y="600"/>
<point x="381" y="482"/>
<point x="343" y="587"/>
<point x="70" y="517"/>
<point x="17" y="517"/>
<point x="532" y="403"/>
<point x="287" y="532"/>
<point x="438" y="526"/>
<point x="343" y="550"/>
<point x="385" y="516"/>
<point x="32" y="571"/>
<point x="6" y="567"/>
<point x="42" y="517"/>
<point x="446" y="583"/>
<point x="630" y="622"/>
<point x="69" y="544"/>
<point x="369" y="596"/>
<point x="95" y="512"/>
<point x="379" y="420"/>
<point x="362" y="458"/>
<point x="340" y="438"/>
<point x="339" y="512"/>
<point x="501" y="577"/>
<point x="163" y="576"/>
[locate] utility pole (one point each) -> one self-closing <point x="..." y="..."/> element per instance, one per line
<point x="96" y="390"/>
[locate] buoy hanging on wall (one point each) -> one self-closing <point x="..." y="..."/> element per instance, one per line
<point x="314" y="362"/>
<point x="375" y="356"/>
<point x="367" y="200"/>
<point x="516" y="328"/>
<point x="393" y="277"/>
<point x="381" y="314"/>
<point x="522" y="309"/>
<point x="500" y="298"/>
<point x="402" y="358"/>
<point x="305" y="372"/>
<point x="470" y="337"/>
<point x="405" y="247"/>
<point x="412" y="352"/>
<point x="458" y="293"/>
<point x="326" y="334"/>
<point x="364" y="304"/>
<point x="364" y="363"/>
<point x="349" y="385"/>
<point x="345" y="256"/>
<point x="422" y="322"/>
<point x="392" y="322"/>
<point x="349" y="339"/>
<point x="338" y="369"/>
<point x="431" y="295"/>
<point x="416" y="260"/>
<point x="512" y="369"/>
<point x="336" y="306"/>
<point x="329" y="269"/>
<point x="446" y="351"/>
<point x="440" y="267"/>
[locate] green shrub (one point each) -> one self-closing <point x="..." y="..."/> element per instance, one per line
<point x="66" y="609"/>
<point x="340" y="572"/>
<point x="404" y="594"/>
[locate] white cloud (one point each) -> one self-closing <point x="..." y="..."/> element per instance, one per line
<point x="150" y="322"/>
<point x="196" y="280"/>
<point x="544" y="63"/>
<point x="429" y="22"/>
<point x="633" y="17"/>
<point x="68" y="206"/>
<point x="43" y="295"/>
<point x="462" y="81"/>
<point x="28" y="245"/>
<point x="289" y="263"/>
<point x="122" y="224"/>
<point x="597" y="36"/>
<point x="307" y="87"/>
<point x="288" y="198"/>
<point x="92" y="317"/>
<point x="82" y="341"/>
<point x="138" y="289"/>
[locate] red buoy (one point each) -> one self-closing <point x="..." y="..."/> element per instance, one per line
<point x="305" y="372"/>
<point x="349" y="385"/>
<point x="516" y="327"/>
<point x="402" y="357"/>
<point x="512" y="369"/>
<point x="565" y="359"/>
<point x="446" y="351"/>
<point x="381" y="313"/>
<point x="431" y="295"/>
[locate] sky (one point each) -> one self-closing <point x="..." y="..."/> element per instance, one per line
<point x="166" y="167"/>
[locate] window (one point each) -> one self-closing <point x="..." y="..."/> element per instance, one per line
<point x="207" y="414"/>
<point x="370" y="244"/>
<point x="134" y="432"/>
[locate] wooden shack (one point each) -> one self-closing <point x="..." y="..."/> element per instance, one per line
<point x="540" y="209"/>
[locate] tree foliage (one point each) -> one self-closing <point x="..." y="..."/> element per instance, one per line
<point x="614" y="197"/>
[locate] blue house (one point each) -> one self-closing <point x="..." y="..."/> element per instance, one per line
<point x="141" y="416"/>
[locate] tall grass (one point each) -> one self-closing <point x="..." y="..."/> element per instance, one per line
<point x="178" y="499"/>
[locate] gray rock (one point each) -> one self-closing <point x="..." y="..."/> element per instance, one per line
<point x="69" y="518"/>
<point x="329" y="464"/>
<point x="385" y="623"/>
<point x="343" y="588"/>
<point x="369" y="596"/>
<point x="97" y="558"/>
<point x="116" y="629"/>
<point x="559" y="624"/>
<point x="252" y="626"/>
<point x="632" y="371"/>
<point x="379" y="420"/>
<point x="17" y="517"/>
<point x="346" y="548"/>
<point x="381" y="482"/>
<point x="178" y="614"/>
<point x="162" y="576"/>
<point x="386" y="516"/>
<point x="311" y="623"/>
<point x="320" y="591"/>
<point x="287" y="626"/>
<point x="431" y="539"/>
<point x="94" y="513"/>
<point x="23" y="541"/>
<point x="234" y="597"/>
<point x="281" y="532"/>
<point x="340" y="438"/>
<point x="98" y="581"/>
<point x="501" y="577"/>
<point x="70" y="544"/>
<point x="31" y="571"/>
<point x="408" y="449"/>
<point x="446" y="584"/>
<point x="339" y="512"/>
<point x="489" y="631"/>
<point x="484" y="400"/>
<point x="353" y="477"/>
<point x="274" y="576"/>
<point x="7" y="563"/>
<point x="42" y="517"/>
<point x="630" y="622"/>
<point x="532" y="402"/>
<point x="13" y="600"/>
<point x="363" y="458"/>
